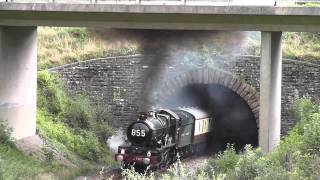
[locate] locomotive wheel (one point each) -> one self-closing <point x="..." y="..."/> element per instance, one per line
<point x="165" y="160"/>
<point x="173" y="156"/>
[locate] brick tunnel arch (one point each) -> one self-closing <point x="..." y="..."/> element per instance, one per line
<point x="244" y="127"/>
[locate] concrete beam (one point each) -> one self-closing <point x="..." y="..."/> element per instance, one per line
<point x="237" y="18"/>
<point x="270" y="90"/>
<point x="18" y="79"/>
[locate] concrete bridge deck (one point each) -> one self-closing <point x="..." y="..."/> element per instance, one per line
<point x="240" y="18"/>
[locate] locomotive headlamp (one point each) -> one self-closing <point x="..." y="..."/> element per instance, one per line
<point x="119" y="158"/>
<point x="148" y="153"/>
<point x="146" y="160"/>
<point x="122" y="151"/>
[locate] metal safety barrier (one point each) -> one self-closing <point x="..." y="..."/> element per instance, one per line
<point x="172" y="2"/>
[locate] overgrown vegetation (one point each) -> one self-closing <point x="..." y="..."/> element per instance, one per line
<point x="58" y="46"/>
<point x="74" y="134"/>
<point x="14" y="164"/>
<point x="310" y="4"/>
<point x="301" y="45"/>
<point x="297" y="156"/>
<point x="71" y="121"/>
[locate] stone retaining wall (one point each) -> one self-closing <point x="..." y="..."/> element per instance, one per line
<point x="120" y="83"/>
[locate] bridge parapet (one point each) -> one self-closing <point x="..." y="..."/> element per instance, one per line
<point x="170" y="2"/>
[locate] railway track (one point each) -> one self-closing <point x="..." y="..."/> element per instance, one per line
<point x="191" y="163"/>
<point x="113" y="174"/>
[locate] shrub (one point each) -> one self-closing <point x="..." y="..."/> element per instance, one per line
<point x="50" y="94"/>
<point x="302" y="108"/>
<point x="225" y="161"/>
<point x="71" y="120"/>
<point x="311" y="135"/>
<point x="247" y="167"/>
<point x="83" y="143"/>
<point x="5" y="134"/>
<point x="79" y="113"/>
<point x="131" y="174"/>
<point x="1" y="168"/>
<point x="102" y="130"/>
<point x="231" y="165"/>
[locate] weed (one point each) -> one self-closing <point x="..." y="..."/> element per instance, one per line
<point x="58" y="46"/>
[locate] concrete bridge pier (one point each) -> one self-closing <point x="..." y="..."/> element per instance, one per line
<point x="18" y="79"/>
<point x="270" y="90"/>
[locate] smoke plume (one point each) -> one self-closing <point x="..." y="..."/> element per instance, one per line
<point x="116" y="140"/>
<point x="175" y="52"/>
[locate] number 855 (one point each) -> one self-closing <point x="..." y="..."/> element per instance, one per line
<point x="138" y="132"/>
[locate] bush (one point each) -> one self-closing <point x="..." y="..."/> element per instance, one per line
<point x="71" y="120"/>
<point x="5" y="134"/>
<point x="103" y="131"/>
<point x="225" y="161"/>
<point x="1" y="168"/>
<point x="302" y="108"/>
<point x="231" y="165"/>
<point x="51" y="96"/>
<point x="248" y="165"/>
<point x="80" y="113"/>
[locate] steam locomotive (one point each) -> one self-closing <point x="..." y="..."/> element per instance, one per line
<point x="158" y="137"/>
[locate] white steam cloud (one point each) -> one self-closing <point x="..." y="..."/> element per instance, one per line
<point x="116" y="140"/>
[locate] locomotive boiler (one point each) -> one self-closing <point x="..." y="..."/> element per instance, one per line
<point x="158" y="137"/>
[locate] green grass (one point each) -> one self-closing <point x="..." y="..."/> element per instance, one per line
<point x="310" y="4"/>
<point x="72" y="121"/>
<point x="301" y="45"/>
<point x="295" y="45"/>
<point x="72" y="129"/>
<point x="15" y="164"/>
<point x="58" y="46"/>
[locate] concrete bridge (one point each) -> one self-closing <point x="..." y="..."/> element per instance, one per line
<point x="18" y="50"/>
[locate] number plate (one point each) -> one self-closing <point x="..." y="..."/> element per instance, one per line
<point x="138" y="132"/>
<point x="138" y="158"/>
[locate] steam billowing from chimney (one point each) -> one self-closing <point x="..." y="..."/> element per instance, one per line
<point x="176" y="51"/>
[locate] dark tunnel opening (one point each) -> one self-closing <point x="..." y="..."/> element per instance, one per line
<point x="234" y="121"/>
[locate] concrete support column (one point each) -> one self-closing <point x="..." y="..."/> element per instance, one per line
<point x="270" y="90"/>
<point x="18" y="79"/>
